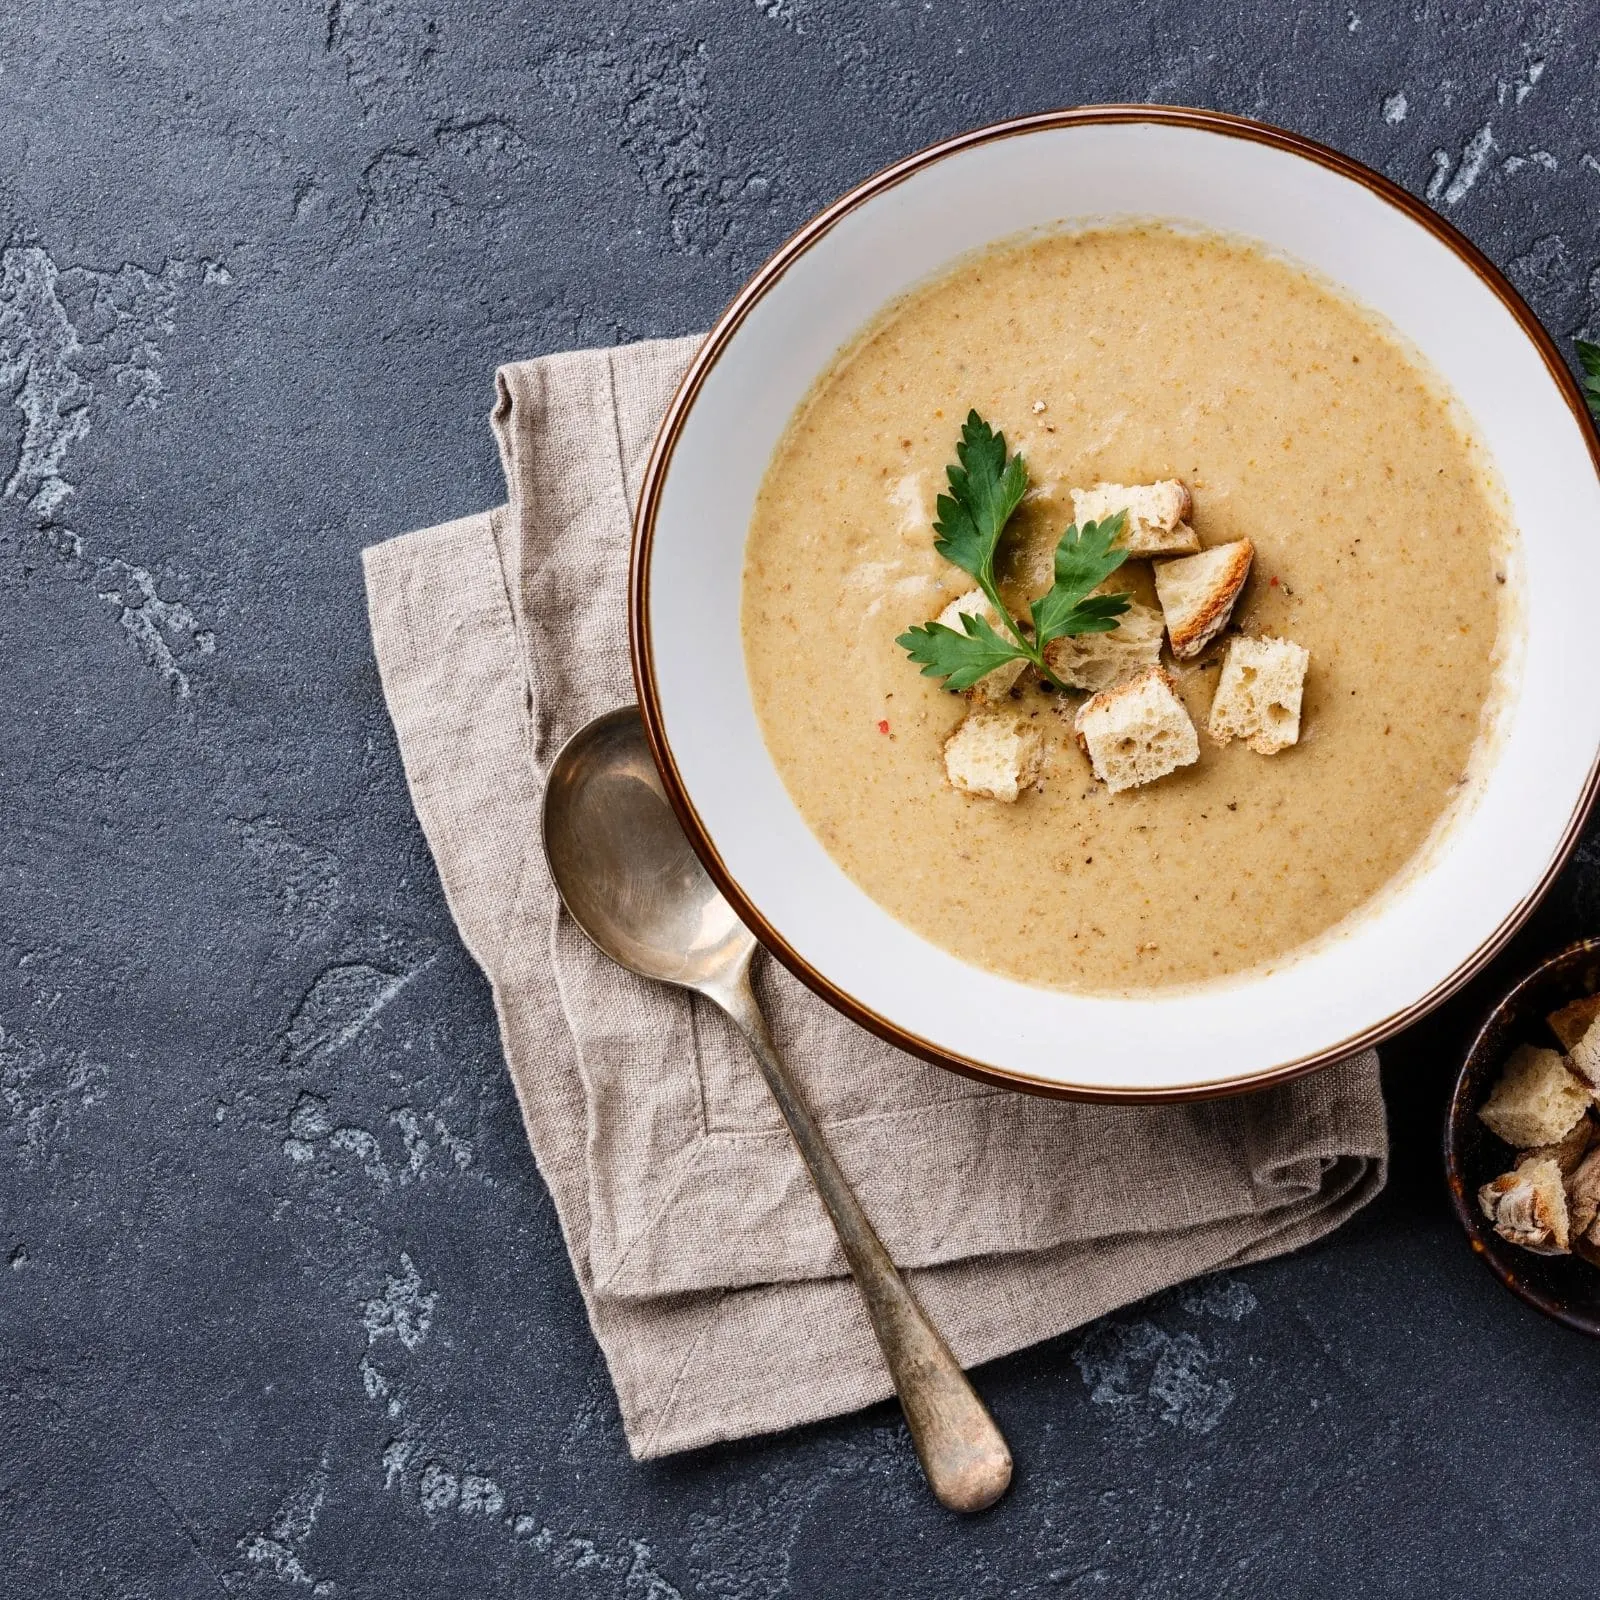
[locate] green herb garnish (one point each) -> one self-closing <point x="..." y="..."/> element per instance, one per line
<point x="986" y="487"/>
<point x="1589" y="360"/>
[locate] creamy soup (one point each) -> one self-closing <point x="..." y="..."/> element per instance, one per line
<point x="1128" y="355"/>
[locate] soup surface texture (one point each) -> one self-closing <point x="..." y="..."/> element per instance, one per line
<point x="1131" y="354"/>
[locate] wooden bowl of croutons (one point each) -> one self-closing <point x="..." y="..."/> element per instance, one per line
<point x="1522" y="1139"/>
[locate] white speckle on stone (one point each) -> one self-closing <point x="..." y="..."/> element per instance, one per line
<point x="1182" y="1387"/>
<point x="303" y="881"/>
<point x="416" y="1146"/>
<point x="308" y="1117"/>
<point x="1395" y="107"/>
<point x="162" y="629"/>
<point x="781" y="12"/>
<point x="72" y="341"/>
<point x="1220" y="1296"/>
<point x="343" y="1001"/>
<point x="480" y="1496"/>
<point x="42" y="1093"/>
<point x="1441" y="172"/>
<point x="460" y="1149"/>
<point x="365" y="1147"/>
<point x="1542" y="159"/>
<point x="280" y="1546"/>
<point x="1545" y="270"/>
<point x="298" y="1151"/>
<point x="1139" y="1370"/>
<point x="403" y="1310"/>
<point x="396" y="1454"/>
<point x="439" y="1489"/>
<point x="611" y="1562"/>
<point x="57" y="327"/>
<point x="1452" y="182"/>
<point x="624" y="1564"/>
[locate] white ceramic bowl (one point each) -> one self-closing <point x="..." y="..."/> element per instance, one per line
<point x="1389" y="252"/>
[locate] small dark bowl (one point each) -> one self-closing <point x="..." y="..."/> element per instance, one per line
<point x="1562" y="1287"/>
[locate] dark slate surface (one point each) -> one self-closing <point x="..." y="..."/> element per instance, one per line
<point x="264" y="1199"/>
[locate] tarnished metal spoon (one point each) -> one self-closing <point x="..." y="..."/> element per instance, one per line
<point x="631" y="881"/>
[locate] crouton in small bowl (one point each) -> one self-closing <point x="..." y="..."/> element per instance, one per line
<point x="1507" y="1185"/>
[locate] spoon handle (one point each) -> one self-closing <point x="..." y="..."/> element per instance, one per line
<point x="963" y="1454"/>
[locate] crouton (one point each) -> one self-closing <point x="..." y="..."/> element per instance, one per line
<point x="1096" y="661"/>
<point x="1528" y="1207"/>
<point x="1197" y="593"/>
<point x="994" y="685"/>
<point x="1137" y="732"/>
<point x="1568" y="1152"/>
<point x="1584" y="1057"/>
<point x="1537" y="1100"/>
<point x="1258" y="694"/>
<point x="1571" y="1022"/>
<point x="1156" y="515"/>
<point x="993" y="754"/>
<point x="1583" y="1197"/>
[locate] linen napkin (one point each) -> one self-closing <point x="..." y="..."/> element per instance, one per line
<point x="712" y="1278"/>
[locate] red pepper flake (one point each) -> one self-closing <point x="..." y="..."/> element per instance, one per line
<point x="1274" y="583"/>
<point x="883" y="727"/>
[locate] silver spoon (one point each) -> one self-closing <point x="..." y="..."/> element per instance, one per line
<point x="627" y="874"/>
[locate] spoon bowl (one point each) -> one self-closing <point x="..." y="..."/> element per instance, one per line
<point x="623" y="866"/>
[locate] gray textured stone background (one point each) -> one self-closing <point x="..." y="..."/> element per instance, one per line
<point x="283" y="1303"/>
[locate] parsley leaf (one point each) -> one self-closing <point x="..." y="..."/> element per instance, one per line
<point x="986" y="487"/>
<point x="1589" y="360"/>
<point x="1083" y="562"/>
<point x="959" y="658"/>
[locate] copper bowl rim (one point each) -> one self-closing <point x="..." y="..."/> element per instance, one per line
<point x="1494" y="1255"/>
<point x="710" y="351"/>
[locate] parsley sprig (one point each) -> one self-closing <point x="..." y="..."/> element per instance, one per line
<point x="986" y="487"/>
<point x="1589" y="360"/>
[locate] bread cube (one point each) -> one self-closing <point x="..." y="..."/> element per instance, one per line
<point x="1528" y="1207"/>
<point x="1197" y="593"/>
<point x="992" y="686"/>
<point x="1571" y="1022"/>
<point x="1096" y="661"/>
<point x="993" y="754"/>
<point x="1537" y="1100"/>
<point x="1258" y="694"/>
<point x="1570" y="1151"/>
<point x="1137" y="732"/>
<point x="1584" y="1057"/>
<point x="1156" y="513"/>
<point x="1583" y="1198"/>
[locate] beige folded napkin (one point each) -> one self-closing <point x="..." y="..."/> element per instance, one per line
<point x="712" y="1277"/>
